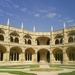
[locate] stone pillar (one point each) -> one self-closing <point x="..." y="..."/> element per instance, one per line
<point x="22" y="56"/>
<point x="51" y="58"/>
<point x="7" y="54"/>
<point x="64" y="56"/>
<point x="35" y="57"/>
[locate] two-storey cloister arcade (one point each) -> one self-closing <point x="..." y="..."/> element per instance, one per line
<point x="22" y="47"/>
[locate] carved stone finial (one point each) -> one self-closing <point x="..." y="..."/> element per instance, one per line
<point x="51" y="28"/>
<point x="8" y="22"/>
<point x="64" y="25"/>
<point x="22" y="26"/>
<point x="34" y="28"/>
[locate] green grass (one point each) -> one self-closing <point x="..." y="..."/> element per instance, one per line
<point x="18" y="72"/>
<point x="70" y="73"/>
<point x="63" y="66"/>
<point x="19" y="67"/>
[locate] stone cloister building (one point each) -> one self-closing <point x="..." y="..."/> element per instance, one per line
<point x="19" y="46"/>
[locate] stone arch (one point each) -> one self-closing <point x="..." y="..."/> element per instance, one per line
<point x="42" y="40"/>
<point x="43" y="55"/>
<point x="1" y="31"/>
<point x="70" y="39"/>
<point x="1" y="38"/>
<point x="1" y="35"/>
<point x="2" y="51"/>
<point x="58" y="54"/>
<point x="29" y="54"/>
<point x="15" y="53"/>
<point x="14" y="33"/>
<point x="11" y="39"/>
<point x="71" y="53"/>
<point x="27" y="39"/>
<point x="71" y="36"/>
<point x="14" y="37"/>
<point x="58" y="39"/>
<point x="16" y="40"/>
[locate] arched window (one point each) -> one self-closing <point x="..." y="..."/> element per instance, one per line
<point x="58" y="56"/>
<point x="38" y="42"/>
<point x="72" y="55"/>
<point x="70" y="39"/>
<point x="25" y="41"/>
<point x="11" y="39"/>
<point x="1" y="38"/>
<point x="60" y="40"/>
<point x="48" y="42"/>
<point x="29" y="41"/>
<point x="1" y="56"/>
<point x="56" y="41"/>
<point x="16" y="40"/>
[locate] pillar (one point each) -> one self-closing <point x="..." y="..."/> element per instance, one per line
<point x="22" y="56"/>
<point x="64" y="56"/>
<point x="35" y="57"/>
<point x="51" y="58"/>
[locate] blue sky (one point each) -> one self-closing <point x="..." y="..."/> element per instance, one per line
<point x="39" y="13"/>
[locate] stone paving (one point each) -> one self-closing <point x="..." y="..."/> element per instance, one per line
<point x="39" y="72"/>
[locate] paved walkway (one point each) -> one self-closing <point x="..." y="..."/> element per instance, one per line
<point x="44" y="66"/>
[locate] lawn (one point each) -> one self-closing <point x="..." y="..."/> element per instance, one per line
<point x="19" y="67"/>
<point x="63" y="66"/>
<point x="18" y="72"/>
<point x="70" y="73"/>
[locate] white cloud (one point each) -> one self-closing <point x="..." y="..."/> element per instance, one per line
<point x="69" y="21"/>
<point x="24" y="9"/>
<point x="16" y="6"/>
<point x="37" y="15"/>
<point x="51" y="15"/>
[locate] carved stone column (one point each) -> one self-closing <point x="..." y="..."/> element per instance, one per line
<point x="35" y="57"/>
<point x="64" y="56"/>
<point x="51" y="58"/>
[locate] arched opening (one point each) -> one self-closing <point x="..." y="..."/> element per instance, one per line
<point x="71" y="53"/>
<point x="58" y="54"/>
<point x="48" y="42"/>
<point x="61" y="41"/>
<point x="15" y="54"/>
<point x="14" y="37"/>
<point x="16" y="40"/>
<point x="1" y="38"/>
<point x="56" y="41"/>
<point x="37" y="42"/>
<point x="29" y="54"/>
<point x="42" y="40"/>
<point x="70" y="39"/>
<point x="11" y="39"/>
<point x="29" y="41"/>
<point x="2" y="51"/>
<point x="43" y="56"/>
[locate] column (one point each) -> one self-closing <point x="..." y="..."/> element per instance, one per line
<point x="35" y="57"/>
<point x="51" y="58"/>
<point x="13" y="56"/>
<point x="6" y="55"/>
<point x="64" y="56"/>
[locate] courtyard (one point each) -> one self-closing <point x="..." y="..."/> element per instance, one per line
<point x="26" y="70"/>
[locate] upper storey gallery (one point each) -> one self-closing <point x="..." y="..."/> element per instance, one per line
<point x="21" y="36"/>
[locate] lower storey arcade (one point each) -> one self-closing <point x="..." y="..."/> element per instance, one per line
<point x="65" y="55"/>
